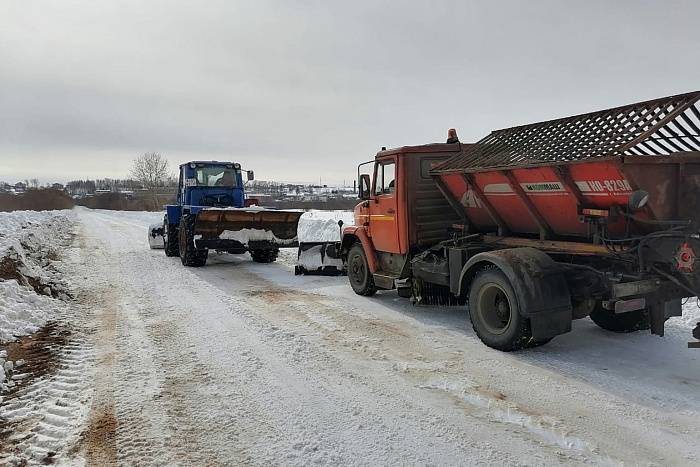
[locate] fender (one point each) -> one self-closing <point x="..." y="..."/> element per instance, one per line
<point x="539" y="285"/>
<point x="351" y="235"/>
<point x="173" y="211"/>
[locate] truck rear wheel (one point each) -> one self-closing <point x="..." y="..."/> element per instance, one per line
<point x="172" y="248"/>
<point x="494" y="312"/>
<point x="189" y="254"/>
<point x="264" y="256"/>
<point x="361" y="279"/>
<point x="623" y="322"/>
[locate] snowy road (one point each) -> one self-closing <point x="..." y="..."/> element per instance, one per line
<point x="244" y="363"/>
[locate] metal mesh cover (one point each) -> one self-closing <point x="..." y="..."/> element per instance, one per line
<point x="658" y="127"/>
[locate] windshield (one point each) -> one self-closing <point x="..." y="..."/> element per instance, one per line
<point x="215" y="176"/>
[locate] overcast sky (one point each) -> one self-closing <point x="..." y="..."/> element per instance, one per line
<point x="301" y="90"/>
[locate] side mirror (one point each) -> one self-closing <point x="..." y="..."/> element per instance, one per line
<point x="364" y="187"/>
<point x="250" y="175"/>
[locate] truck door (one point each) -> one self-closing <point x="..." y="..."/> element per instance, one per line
<point x="382" y="209"/>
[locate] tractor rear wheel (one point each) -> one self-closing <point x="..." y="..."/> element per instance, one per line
<point x="264" y="256"/>
<point x="494" y="312"/>
<point x="172" y="248"/>
<point x="361" y="279"/>
<point x="190" y="255"/>
<point x="623" y="322"/>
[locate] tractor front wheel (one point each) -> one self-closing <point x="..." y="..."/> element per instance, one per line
<point x="189" y="254"/>
<point x="172" y="248"/>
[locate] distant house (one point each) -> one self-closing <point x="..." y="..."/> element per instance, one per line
<point x="5" y="187"/>
<point x="20" y="187"/>
<point x="57" y="186"/>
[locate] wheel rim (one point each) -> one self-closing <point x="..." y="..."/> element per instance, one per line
<point x="357" y="270"/>
<point x="494" y="309"/>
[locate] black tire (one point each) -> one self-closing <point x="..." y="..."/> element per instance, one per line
<point x="189" y="254"/>
<point x="496" y="319"/>
<point x="172" y="247"/>
<point x="264" y="256"/>
<point x="361" y="279"/>
<point x="623" y="322"/>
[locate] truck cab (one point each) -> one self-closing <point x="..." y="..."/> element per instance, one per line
<point x="402" y="211"/>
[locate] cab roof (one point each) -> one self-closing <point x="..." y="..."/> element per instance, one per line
<point x="208" y="163"/>
<point x="431" y="147"/>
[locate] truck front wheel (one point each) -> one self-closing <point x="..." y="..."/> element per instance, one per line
<point x="189" y="254"/>
<point x="360" y="276"/>
<point x="493" y="309"/>
<point x="623" y="322"/>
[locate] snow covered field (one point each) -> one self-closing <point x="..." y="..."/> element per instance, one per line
<point x="150" y="363"/>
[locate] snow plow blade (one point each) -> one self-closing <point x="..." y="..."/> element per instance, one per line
<point x="231" y="229"/>
<point x="320" y="259"/>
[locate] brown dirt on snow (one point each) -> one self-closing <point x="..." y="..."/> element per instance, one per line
<point x="40" y="352"/>
<point x="100" y="437"/>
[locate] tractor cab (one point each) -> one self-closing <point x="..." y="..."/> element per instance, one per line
<point x="211" y="183"/>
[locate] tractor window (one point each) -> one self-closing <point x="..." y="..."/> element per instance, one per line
<point x="386" y="174"/>
<point x="215" y="176"/>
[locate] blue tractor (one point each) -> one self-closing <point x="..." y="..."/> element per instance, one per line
<point x="212" y="213"/>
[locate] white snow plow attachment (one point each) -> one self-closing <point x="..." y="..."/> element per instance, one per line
<point x="156" y="238"/>
<point x="319" y="258"/>
<point x="246" y="229"/>
<point x="319" y="242"/>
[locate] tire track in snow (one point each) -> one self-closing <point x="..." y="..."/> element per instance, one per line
<point x="99" y="437"/>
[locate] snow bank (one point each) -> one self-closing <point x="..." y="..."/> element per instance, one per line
<point x="322" y="226"/>
<point x="30" y="245"/>
<point x="22" y="310"/>
<point x="30" y="286"/>
<point x="17" y="226"/>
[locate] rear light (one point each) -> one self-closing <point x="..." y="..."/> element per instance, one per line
<point x="685" y="258"/>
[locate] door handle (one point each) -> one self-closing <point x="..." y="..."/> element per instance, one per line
<point x="390" y="211"/>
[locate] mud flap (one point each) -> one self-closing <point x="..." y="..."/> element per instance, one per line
<point x="224" y="228"/>
<point x="659" y="312"/>
<point x="319" y="258"/>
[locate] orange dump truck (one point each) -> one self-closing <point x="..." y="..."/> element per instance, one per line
<point x="534" y="226"/>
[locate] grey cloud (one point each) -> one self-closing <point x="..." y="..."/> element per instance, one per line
<point x="302" y="89"/>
